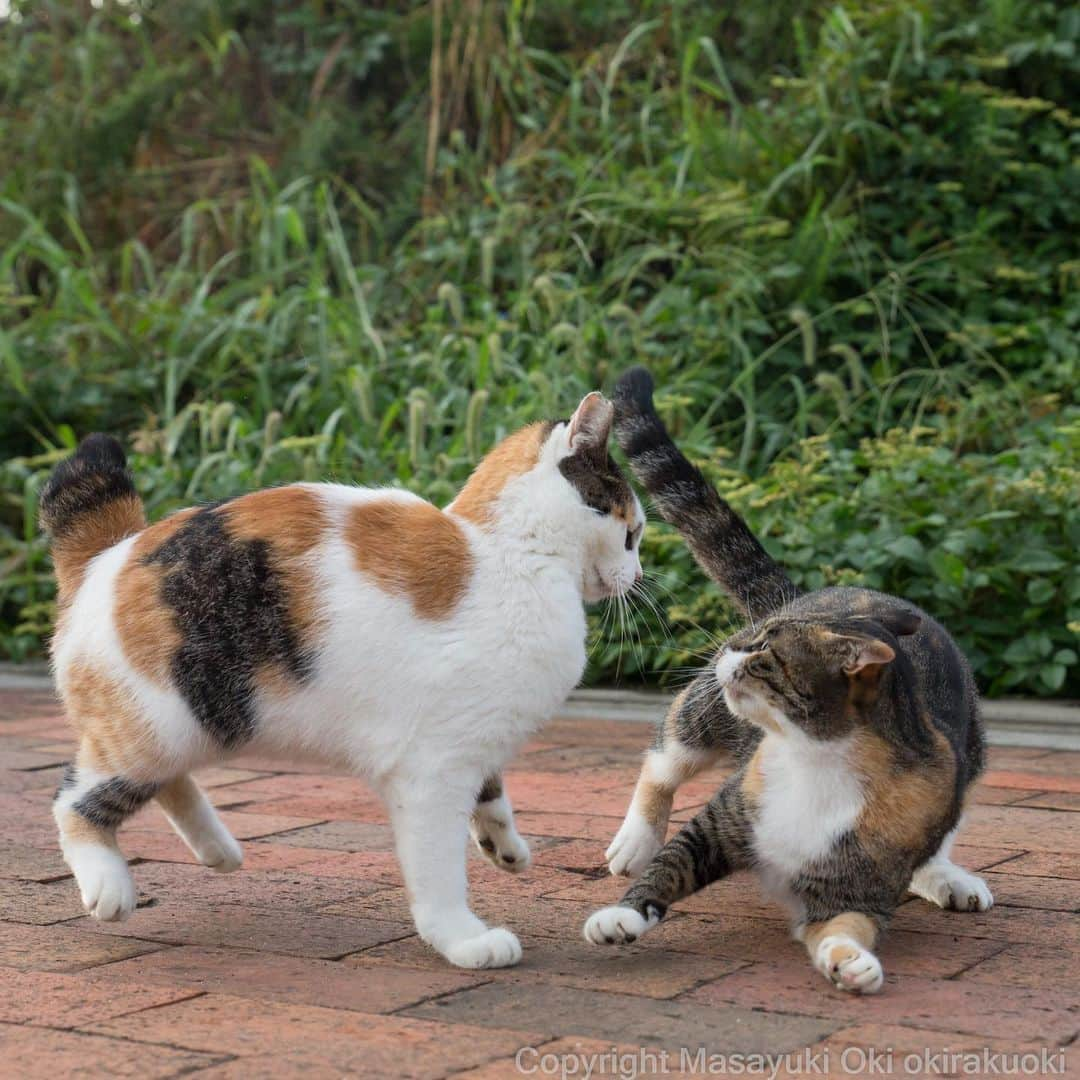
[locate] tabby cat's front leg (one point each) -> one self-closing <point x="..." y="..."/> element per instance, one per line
<point x="710" y="846"/>
<point x="698" y="727"/>
<point x="493" y="831"/>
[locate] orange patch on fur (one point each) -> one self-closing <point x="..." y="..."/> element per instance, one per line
<point x="902" y="804"/>
<point x="412" y="549"/>
<point x="89" y="535"/>
<point x="144" y="622"/>
<point x="753" y="780"/>
<point x="78" y="830"/>
<point x="852" y="924"/>
<point x="116" y="738"/>
<point x="513" y="457"/>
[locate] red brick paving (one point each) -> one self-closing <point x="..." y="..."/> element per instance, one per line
<point x="305" y="964"/>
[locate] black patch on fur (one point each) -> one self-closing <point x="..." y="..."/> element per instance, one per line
<point x="71" y="775"/>
<point x="107" y="804"/>
<point x="233" y="616"/>
<point x="491" y="789"/>
<point x="597" y="479"/>
<point x="95" y="475"/>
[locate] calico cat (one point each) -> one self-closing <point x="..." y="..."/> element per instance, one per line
<point x="416" y="646"/>
<point x="854" y="720"/>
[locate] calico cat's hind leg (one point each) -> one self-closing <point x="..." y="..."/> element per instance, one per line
<point x="841" y="949"/>
<point x="493" y="831"/>
<point x="942" y="882"/>
<point x="685" y="744"/>
<point x="193" y="816"/>
<point x="89" y="807"/>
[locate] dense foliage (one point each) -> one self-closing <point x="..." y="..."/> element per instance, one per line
<point x="268" y="240"/>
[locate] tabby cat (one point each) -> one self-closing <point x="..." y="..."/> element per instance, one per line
<point x="854" y="721"/>
<point x="416" y="646"/>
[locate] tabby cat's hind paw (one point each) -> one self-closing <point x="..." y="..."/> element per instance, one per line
<point x="951" y="887"/>
<point x="848" y="966"/>
<point x="617" y="925"/>
<point x="633" y="848"/>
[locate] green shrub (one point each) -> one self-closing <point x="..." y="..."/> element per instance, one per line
<point x="986" y="543"/>
<point x="256" y="239"/>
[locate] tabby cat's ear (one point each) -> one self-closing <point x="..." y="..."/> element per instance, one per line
<point x="590" y="425"/>
<point x="901" y="622"/>
<point x="868" y="652"/>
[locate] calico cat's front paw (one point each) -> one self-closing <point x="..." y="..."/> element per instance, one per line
<point x="500" y="843"/>
<point x="492" y="949"/>
<point x="617" y="925"/>
<point x="848" y="966"/>
<point x="633" y="848"/>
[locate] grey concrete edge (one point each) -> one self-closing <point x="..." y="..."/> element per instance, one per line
<point x="1054" y="725"/>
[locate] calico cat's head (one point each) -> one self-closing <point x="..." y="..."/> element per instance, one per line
<point x="555" y="483"/>
<point x="821" y="677"/>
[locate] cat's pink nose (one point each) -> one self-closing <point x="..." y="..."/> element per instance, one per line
<point x="638" y="575"/>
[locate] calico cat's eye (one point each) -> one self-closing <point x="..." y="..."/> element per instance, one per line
<point x="631" y="536"/>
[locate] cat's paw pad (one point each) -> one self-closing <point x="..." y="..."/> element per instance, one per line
<point x="500" y="843"/>
<point x="952" y="887"/>
<point x="617" y="925"/>
<point x="105" y="883"/>
<point x="491" y="949"/>
<point x="634" y="847"/>
<point x="848" y="966"/>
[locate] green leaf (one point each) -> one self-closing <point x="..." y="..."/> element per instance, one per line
<point x="906" y="547"/>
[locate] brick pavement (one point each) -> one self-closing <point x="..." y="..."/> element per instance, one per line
<point x="304" y="963"/>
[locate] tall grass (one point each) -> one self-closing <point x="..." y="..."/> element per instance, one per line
<point x="364" y="245"/>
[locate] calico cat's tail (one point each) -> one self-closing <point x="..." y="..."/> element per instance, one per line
<point x="88" y="504"/>
<point x="721" y="542"/>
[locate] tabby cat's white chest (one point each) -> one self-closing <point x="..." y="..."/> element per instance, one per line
<point x="810" y="796"/>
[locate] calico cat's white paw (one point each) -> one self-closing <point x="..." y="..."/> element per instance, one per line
<point x="617" y="925"/>
<point x="633" y="848"/>
<point x="491" y="949"/>
<point x="848" y="966"/>
<point x="221" y="853"/>
<point x="951" y="887"/>
<point x="104" y="880"/>
<point x="500" y="843"/>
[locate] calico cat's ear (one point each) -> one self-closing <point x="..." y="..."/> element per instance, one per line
<point x="868" y="652"/>
<point x="590" y="425"/>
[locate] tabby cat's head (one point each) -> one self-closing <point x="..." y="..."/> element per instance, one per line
<point x="823" y="678"/>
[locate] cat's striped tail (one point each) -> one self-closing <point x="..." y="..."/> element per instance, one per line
<point x="87" y="505"/>
<point x="720" y="541"/>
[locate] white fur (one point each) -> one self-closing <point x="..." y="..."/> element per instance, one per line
<point x="634" y="846"/>
<point x="617" y="925"/>
<point x="425" y="709"/>
<point x="858" y="972"/>
<point x="493" y="823"/>
<point x="942" y="882"/>
<point x="104" y="880"/>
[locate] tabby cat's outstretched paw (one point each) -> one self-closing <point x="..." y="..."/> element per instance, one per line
<point x="617" y="925"/>
<point x="499" y="841"/>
